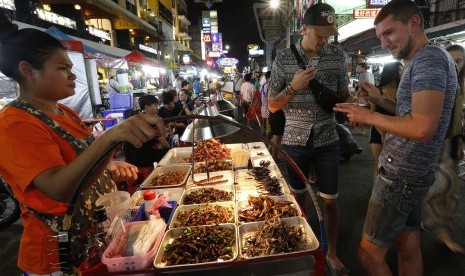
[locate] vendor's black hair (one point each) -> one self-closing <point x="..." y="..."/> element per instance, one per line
<point x="168" y="97"/>
<point x="248" y="77"/>
<point x="30" y="45"/>
<point x="184" y="83"/>
<point x="147" y="100"/>
<point x="390" y="73"/>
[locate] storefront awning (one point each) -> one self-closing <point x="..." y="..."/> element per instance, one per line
<point x="139" y="58"/>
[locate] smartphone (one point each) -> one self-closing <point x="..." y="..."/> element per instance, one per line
<point x="313" y="62"/>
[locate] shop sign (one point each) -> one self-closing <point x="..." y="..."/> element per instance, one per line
<point x="55" y="18"/>
<point x="217" y="47"/>
<point x="252" y="46"/>
<point x="377" y="3"/>
<point x="147" y="49"/>
<point x="366" y="13"/>
<point x="223" y="62"/>
<point x="206" y="37"/>
<point x="8" y="4"/>
<point x="103" y="34"/>
<point x="206" y="22"/>
<point x="214" y="54"/>
<point x="215" y="38"/>
<point x="254" y="51"/>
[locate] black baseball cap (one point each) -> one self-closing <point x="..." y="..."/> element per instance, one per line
<point x="321" y="17"/>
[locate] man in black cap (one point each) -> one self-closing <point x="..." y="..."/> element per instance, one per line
<point x="310" y="136"/>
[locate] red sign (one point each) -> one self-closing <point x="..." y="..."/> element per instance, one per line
<point x="366" y="13"/>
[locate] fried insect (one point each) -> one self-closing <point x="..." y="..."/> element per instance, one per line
<point x="265" y="163"/>
<point x="204" y="215"/>
<point x="168" y="178"/>
<point x="214" y="180"/>
<point x="213" y="166"/>
<point x="266" y="183"/>
<point x="210" y="150"/>
<point x="201" y="245"/>
<point x="274" y="237"/>
<point x="207" y="195"/>
<point x="263" y="208"/>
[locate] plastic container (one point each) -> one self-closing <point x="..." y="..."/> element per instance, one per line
<point x="130" y="262"/>
<point x="115" y="203"/>
<point x="166" y="213"/>
<point x="121" y="100"/>
<point x="149" y="199"/>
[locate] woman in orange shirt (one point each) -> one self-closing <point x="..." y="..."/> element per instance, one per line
<point x="46" y="148"/>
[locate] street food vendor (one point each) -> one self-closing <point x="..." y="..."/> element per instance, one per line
<point x="46" y="148"/>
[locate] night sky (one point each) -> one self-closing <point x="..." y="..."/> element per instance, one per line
<point x="236" y="22"/>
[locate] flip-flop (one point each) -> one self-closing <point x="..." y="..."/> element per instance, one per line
<point x="337" y="272"/>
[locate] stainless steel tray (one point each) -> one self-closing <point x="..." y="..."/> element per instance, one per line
<point x="176" y="156"/>
<point x="184" y="208"/>
<point x="227" y="175"/>
<point x="165" y="169"/>
<point x="248" y="229"/>
<point x="172" y="234"/>
<point x="245" y="204"/>
<point x="227" y="188"/>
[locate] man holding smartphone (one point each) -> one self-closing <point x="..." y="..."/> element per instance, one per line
<point x="310" y="136"/>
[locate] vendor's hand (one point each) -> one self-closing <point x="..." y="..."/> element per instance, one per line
<point x="137" y="129"/>
<point x="354" y="113"/>
<point x="369" y="92"/>
<point x="122" y="171"/>
<point x="302" y="78"/>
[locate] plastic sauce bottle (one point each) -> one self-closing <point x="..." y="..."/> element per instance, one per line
<point x="149" y="200"/>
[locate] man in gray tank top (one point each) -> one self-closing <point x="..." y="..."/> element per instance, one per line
<point x="425" y="98"/>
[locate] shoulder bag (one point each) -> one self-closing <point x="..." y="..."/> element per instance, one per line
<point x="324" y="97"/>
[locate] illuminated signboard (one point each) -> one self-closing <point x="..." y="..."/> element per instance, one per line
<point x="8" y="4"/>
<point x="103" y="34"/>
<point x="55" y="18"/>
<point x="366" y="13"/>
<point x="206" y="25"/>
<point x="207" y="37"/>
<point x="377" y="3"/>
<point x="254" y="51"/>
<point x="252" y="46"/>
<point x="147" y="49"/>
<point x="206" y="22"/>
<point x="214" y="54"/>
<point x="223" y="62"/>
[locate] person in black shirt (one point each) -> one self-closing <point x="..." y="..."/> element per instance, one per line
<point x="172" y="108"/>
<point x="153" y="150"/>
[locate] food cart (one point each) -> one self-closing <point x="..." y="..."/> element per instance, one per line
<point x="248" y="192"/>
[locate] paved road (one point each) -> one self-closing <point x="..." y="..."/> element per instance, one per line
<point x="355" y="189"/>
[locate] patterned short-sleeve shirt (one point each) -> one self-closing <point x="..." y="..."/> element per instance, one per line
<point x="303" y="114"/>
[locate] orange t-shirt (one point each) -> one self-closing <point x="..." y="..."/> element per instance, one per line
<point x="29" y="147"/>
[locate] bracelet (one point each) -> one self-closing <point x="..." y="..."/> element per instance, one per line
<point x="289" y="90"/>
<point x="290" y="86"/>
